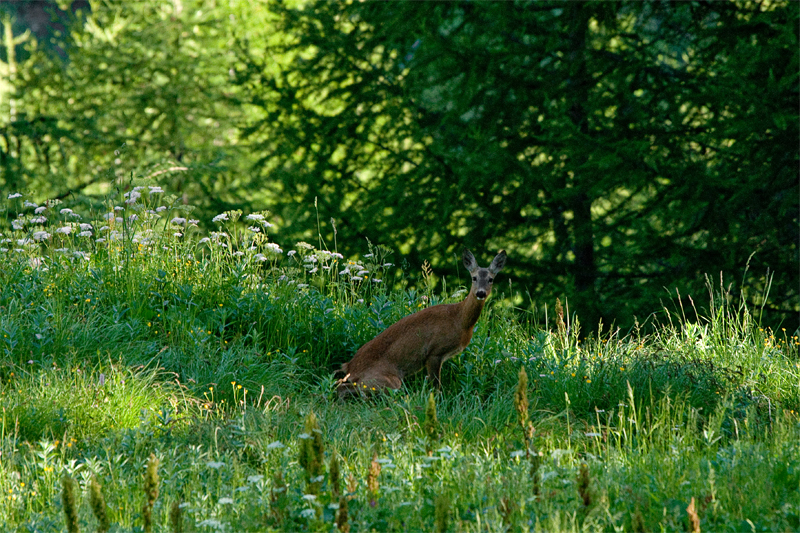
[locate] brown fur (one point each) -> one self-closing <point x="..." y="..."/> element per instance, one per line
<point x="425" y="339"/>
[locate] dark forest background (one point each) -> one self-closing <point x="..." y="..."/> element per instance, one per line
<point x="621" y="152"/>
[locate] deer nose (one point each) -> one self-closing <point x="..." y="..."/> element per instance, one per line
<point x="480" y="294"/>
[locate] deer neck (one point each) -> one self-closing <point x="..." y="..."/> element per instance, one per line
<point x="471" y="309"/>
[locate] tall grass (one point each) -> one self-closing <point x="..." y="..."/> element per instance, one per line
<point x="136" y="333"/>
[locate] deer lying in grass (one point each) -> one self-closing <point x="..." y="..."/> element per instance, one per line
<point x="425" y="339"/>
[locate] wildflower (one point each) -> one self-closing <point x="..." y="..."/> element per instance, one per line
<point x="272" y="247"/>
<point x="221" y="217"/>
<point x="177" y="234"/>
<point x="41" y="235"/>
<point x="255" y="216"/>
<point x="132" y="196"/>
<point x="109" y="216"/>
<point x="119" y="208"/>
<point x="254" y="229"/>
<point x="40" y="210"/>
<point x="85" y="227"/>
<point x="290" y="253"/>
<point x="337" y="255"/>
<point x="178" y="221"/>
<point x="66" y="211"/>
<point x="18" y="223"/>
<point x="65" y="230"/>
<point x="204" y="239"/>
<point x="194" y="221"/>
<point x="85" y="234"/>
<point x="155" y="189"/>
<point x="14" y="195"/>
<point x="133" y="218"/>
<point x="259" y="257"/>
<point x="38" y="220"/>
<point x="161" y="208"/>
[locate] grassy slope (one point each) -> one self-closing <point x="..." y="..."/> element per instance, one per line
<point x="211" y="356"/>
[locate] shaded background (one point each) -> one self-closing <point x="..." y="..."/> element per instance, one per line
<point x="619" y="151"/>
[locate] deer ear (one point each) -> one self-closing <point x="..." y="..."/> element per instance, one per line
<point x="469" y="261"/>
<point x="498" y="262"/>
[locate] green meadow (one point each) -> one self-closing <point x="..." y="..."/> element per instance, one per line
<point x="158" y="377"/>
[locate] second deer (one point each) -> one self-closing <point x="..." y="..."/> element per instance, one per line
<point x="425" y="339"/>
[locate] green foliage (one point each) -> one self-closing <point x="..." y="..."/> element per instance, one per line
<point x="214" y="359"/>
<point x="613" y="149"/>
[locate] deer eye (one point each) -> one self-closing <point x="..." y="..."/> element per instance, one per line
<point x="491" y="280"/>
<point x="474" y="278"/>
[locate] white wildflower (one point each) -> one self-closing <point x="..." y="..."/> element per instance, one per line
<point x="177" y="234"/>
<point x="204" y="239"/>
<point x="178" y="221"/>
<point x="155" y="189"/>
<point x="101" y="239"/>
<point x="119" y="208"/>
<point x="41" y="235"/>
<point x="109" y="216"/>
<point x="18" y="223"/>
<point x="85" y="234"/>
<point x="14" y="195"/>
<point x="272" y="247"/>
<point x="225" y="500"/>
<point x="29" y="204"/>
<point x="66" y="230"/>
<point x="362" y="272"/>
<point x="194" y="221"/>
<point x="132" y="196"/>
<point x="376" y="280"/>
<point x="368" y="255"/>
<point x="220" y="217"/>
<point x="254" y="229"/>
<point x="133" y="218"/>
<point x="85" y="227"/>
<point x="337" y="255"/>
<point x="66" y="211"/>
<point x="290" y="253"/>
<point x="161" y="208"/>
<point x="254" y="216"/>
<point x="38" y="220"/>
<point x="313" y="270"/>
<point x="238" y="253"/>
<point x="356" y="278"/>
<point x="260" y="257"/>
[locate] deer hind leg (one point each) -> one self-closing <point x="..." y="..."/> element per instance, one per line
<point x="370" y="381"/>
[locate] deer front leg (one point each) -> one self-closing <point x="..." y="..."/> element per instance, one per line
<point x="434" y="365"/>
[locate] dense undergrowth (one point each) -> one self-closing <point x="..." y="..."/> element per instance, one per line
<point x="128" y="332"/>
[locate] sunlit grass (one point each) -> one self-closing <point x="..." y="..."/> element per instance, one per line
<point x="135" y="333"/>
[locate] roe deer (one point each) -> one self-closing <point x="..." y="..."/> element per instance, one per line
<point x="425" y="339"/>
